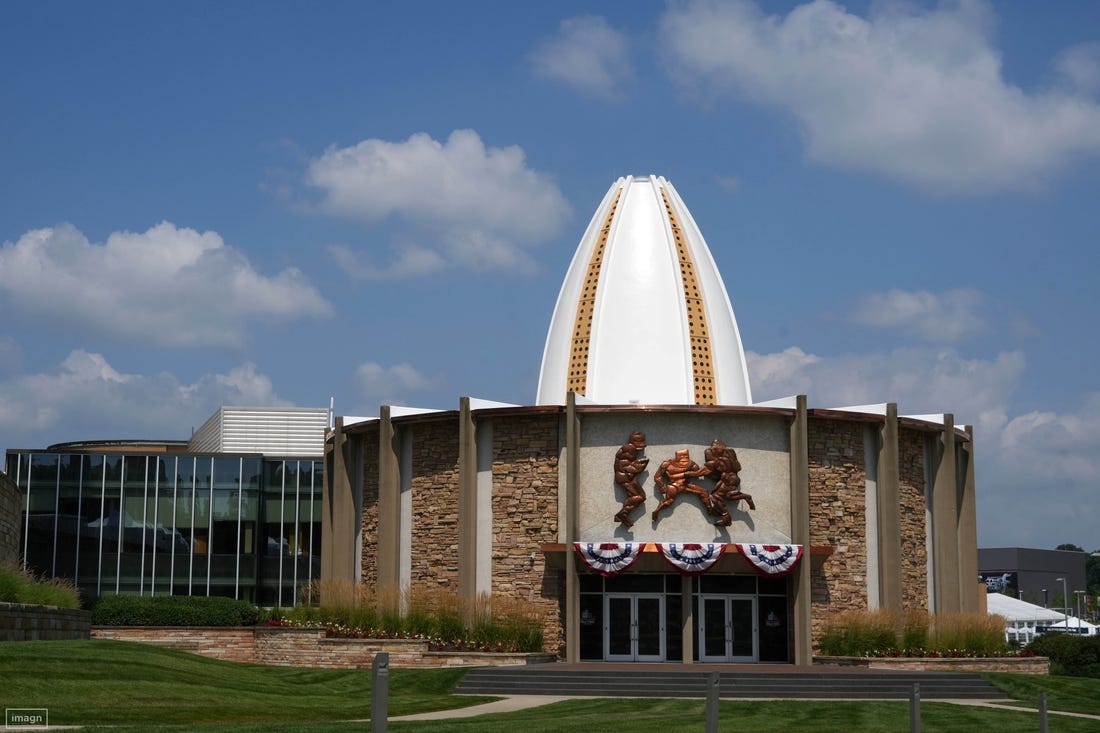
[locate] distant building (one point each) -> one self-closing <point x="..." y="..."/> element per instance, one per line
<point x="1033" y="575"/>
<point x="233" y="512"/>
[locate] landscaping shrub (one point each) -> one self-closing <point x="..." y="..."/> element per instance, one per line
<point x="1069" y="654"/>
<point x="974" y="634"/>
<point x="915" y="633"/>
<point x="19" y="586"/>
<point x="439" y="616"/>
<point x="124" y="610"/>
<point x="860" y="634"/>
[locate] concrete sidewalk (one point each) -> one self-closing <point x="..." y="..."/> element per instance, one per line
<point x="512" y="703"/>
<point x="506" y="705"/>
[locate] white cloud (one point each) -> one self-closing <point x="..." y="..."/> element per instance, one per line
<point x="1079" y="67"/>
<point x="468" y="205"/>
<point x="1040" y="474"/>
<point x="920" y="380"/>
<point x="167" y="286"/>
<point x="586" y="54"/>
<point x="1037" y="472"/>
<point x="948" y="316"/>
<point x="11" y="354"/>
<point x="86" y="398"/>
<point x="915" y="95"/>
<point x="408" y="262"/>
<point x="379" y="384"/>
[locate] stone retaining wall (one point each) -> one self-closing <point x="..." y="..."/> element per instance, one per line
<point x="284" y="646"/>
<point x="22" y="622"/>
<point x="1015" y="665"/>
<point x="230" y="644"/>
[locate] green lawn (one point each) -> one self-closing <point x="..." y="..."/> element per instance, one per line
<point x="1075" y="694"/>
<point x="109" y="682"/>
<point x="103" y="683"/>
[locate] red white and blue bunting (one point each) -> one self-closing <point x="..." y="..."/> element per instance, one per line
<point x="608" y="558"/>
<point x="774" y="560"/>
<point x="691" y="558"/>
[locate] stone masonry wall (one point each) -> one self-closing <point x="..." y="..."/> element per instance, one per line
<point x="914" y="548"/>
<point x="435" y="505"/>
<point x="302" y="647"/>
<point x="525" y="515"/>
<point x="10" y="511"/>
<point x="369" y="570"/>
<point x="838" y="511"/>
<point x="23" y="622"/>
<point x="235" y="644"/>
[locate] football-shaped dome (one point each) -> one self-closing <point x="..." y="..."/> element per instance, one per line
<point x="643" y="316"/>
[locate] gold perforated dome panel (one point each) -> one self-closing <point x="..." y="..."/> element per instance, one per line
<point x="643" y="316"/>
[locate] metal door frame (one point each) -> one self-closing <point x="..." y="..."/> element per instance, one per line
<point x="727" y="611"/>
<point x="633" y="656"/>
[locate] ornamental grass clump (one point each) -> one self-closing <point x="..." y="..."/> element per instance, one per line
<point x="914" y="633"/>
<point x="19" y="586"/>
<point x="859" y="633"/>
<point x="439" y="616"/>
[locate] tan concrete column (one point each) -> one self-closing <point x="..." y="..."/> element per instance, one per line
<point x="800" y="533"/>
<point x="389" y="504"/>
<point x="572" y="529"/>
<point x="339" y="513"/>
<point x="328" y="500"/>
<point x="945" y="527"/>
<point x="467" y="502"/>
<point x="687" y="631"/>
<point x="968" y="530"/>
<point x="889" y="514"/>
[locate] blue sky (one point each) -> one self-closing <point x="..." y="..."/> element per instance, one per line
<point x="279" y="203"/>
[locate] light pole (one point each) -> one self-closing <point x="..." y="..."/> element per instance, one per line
<point x="1079" y="593"/>
<point x="1065" y="601"/>
<point x="1046" y="598"/>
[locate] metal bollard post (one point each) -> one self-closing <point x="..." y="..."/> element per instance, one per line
<point x="1042" y="712"/>
<point x="914" y="709"/>
<point x="712" y="702"/>
<point x="379" y="692"/>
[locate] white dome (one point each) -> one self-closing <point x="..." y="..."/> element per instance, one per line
<point x="643" y="316"/>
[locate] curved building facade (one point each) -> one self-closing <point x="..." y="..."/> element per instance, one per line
<point x="645" y="505"/>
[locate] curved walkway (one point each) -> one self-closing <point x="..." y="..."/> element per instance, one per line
<point x="512" y="703"/>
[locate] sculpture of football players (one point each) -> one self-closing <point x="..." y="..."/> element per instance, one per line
<point x="628" y="464"/>
<point x="673" y="479"/>
<point x="722" y="464"/>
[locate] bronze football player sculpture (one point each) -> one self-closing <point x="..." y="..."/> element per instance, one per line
<point x="673" y="479"/>
<point x="628" y="464"/>
<point x="721" y="462"/>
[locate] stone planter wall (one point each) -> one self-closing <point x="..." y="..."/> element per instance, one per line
<point x="284" y="646"/>
<point x="22" y="622"/>
<point x="1015" y="665"/>
<point x="236" y="644"/>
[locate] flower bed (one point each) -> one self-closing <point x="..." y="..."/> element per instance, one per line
<point x="1019" y="664"/>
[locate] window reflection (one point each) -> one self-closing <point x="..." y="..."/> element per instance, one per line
<point x="238" y="526"/>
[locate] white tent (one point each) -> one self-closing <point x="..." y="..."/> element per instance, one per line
<point x="1074" y="625"/>
<point x="1025" y="620"/>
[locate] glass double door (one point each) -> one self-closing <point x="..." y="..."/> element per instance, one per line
<point x="634" y="629"/>
<point x="728" y="628"/>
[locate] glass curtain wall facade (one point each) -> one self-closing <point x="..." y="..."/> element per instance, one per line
<point x="241" y="526"/>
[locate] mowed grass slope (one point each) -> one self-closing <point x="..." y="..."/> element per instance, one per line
<point x="110" y="682"/>
<point x="141" y="687"/>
